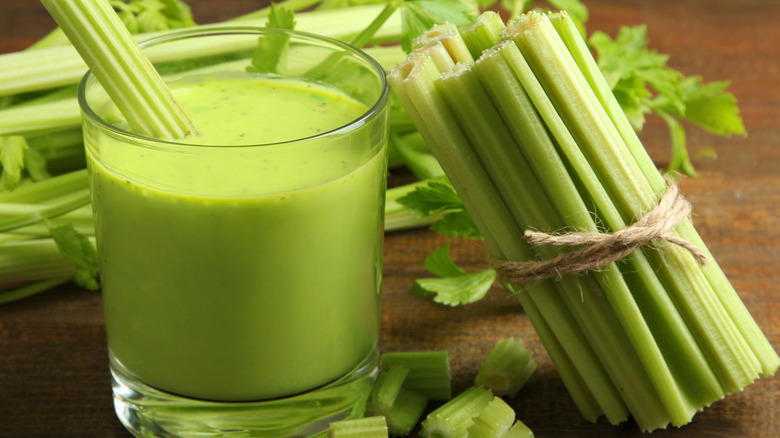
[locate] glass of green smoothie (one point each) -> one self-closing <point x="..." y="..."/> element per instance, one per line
<point x="241" y="268"/>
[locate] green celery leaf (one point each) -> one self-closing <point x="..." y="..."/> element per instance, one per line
<point x="418" y="16"/>
<point x="77" y="248"/>
<point x="453" y="291"/>
<point x="12" y="152"/>
<point x="631" y="68"/>
<point x="272" y="46"/>
<point x="457" y="223"/>
<point x="440" y="263"/>
<point x="711" y="107"/>
<point x="153" y="15"/>
<point x="437" y="196"/>
<point x="434" y="197"/>
<point x="454" y="286"/>
<point x="178" y="12"/>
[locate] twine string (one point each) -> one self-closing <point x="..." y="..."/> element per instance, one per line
<point x="600" y="249"/>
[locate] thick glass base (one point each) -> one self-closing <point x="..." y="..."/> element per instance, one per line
<point x="148" y="412"/>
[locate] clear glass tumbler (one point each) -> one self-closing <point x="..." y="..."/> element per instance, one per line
<point x="241" y="268"/>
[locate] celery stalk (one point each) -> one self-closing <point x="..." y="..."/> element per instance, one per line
<point x="32" y="289"/>
<point x="483" y="33"/>
<point x="40" y="118"/>
<point x="493" y="421"/>
<point x="52" y="67"/>
<point x="737" y="311"/>
<point x="429" y="372"/>
<point x="453" y="419"/>
<point x="519" y="430"/>
<point x="117" y="62"/>
<point x="507" y="368"/>
<point x="386" y="389"/>
<point x="368" y="427"/>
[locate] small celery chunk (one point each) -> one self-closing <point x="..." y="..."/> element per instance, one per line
<point x="429" y="372"/>
<point x="454" y="418"/>
<point x="367" y="427"/>
<point x="495" y="420"/>
<point x="507" y="368"/>
<point x="401" y="408"/>
<point x="519" y="430"/>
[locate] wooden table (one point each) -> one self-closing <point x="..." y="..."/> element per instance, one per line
<point x="54" y="377"/>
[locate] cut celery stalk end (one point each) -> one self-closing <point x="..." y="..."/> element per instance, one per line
<point x="406" y="412"/>
<point x="507" y="368"/>
<point x="493" y="421"/>
<point x="519" y="430"/>
<point x="401" y="407"/>
<point x="429" y="372"/>
<point x="453" y="419"/>
<point x="367" y="427"/>
<point x="483" y="33"/>
<point x="386" y="389"/>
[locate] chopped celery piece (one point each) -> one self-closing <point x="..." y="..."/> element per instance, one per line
<point x="386" y="389"/>
<point x="429" y="372"/>
<point x="402" y="408"/>
<point x="506" y="368"/>
<point x="367" y="427"/>
<point x="519" y="430"/>
<point x="495" y="420"/>
<point x="453" y="419"/>
<point x="406" y="412"/>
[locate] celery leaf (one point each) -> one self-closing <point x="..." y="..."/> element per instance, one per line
<point x="272" y="46"/>
<point x="440" y="263"/>
<point x="710" y="106"/>
<point x="457" y="223"/>
<point x="643" y="83"/>
<point x="453" y="285"/>
<point x="418" y="16"/>
<point x="77" y="248"/>
<point x="141" y="16"/>
<point x="437" y="196"/>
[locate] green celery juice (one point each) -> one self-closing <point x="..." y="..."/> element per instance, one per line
<point x="242" y="272"/>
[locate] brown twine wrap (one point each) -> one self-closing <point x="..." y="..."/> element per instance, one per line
<point x="601" y="249"/>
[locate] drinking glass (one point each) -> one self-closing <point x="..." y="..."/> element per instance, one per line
<point x="241" y="271"/>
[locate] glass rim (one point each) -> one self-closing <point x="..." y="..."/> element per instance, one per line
<point x="370" y="113"/>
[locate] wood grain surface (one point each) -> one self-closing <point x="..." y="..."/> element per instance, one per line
<point x="54" y="379"/>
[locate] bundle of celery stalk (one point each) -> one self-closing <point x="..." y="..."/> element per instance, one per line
<point x="531" y="138"/>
